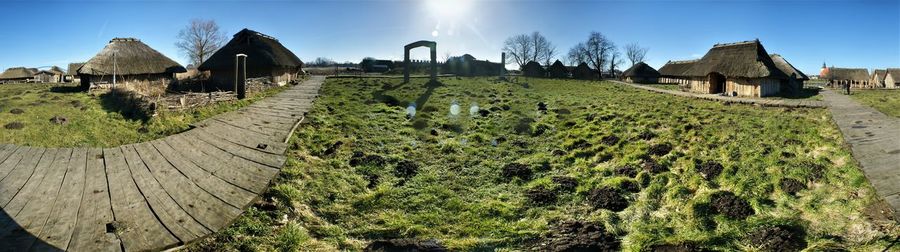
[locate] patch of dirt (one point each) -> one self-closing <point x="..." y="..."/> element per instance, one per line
<point x="816" y="171"/>
<point x="731" y="206"/>
<point x="881" y="215"/>
<point x="710" y="169"/>
<point x="59" y="120"/>
<point x="516" y="170"/>
<point x="627" y="170"/>
<point x="678" y="247"/>
<point x="334" y="147"/>
<point x="660" y="149"/>
<point x="630" y="186"/>
<point x="579" y="144"/>
<point x="524" y="126"/>
<point x="17" y="111"/>
<point x="565" y="183"/>
<point x="654" y="167"/>
<point x="540" y="196"/>
<point x="405" y="245"/>
<point x="76" y="104"/>
<point x="406" y="169"/>
<point x="541" y="106"/>
<point x="791" y="186"/>
<point x="484" y="113"/>
<point x="609" y="140"/>
<point x="14" y="125"/>
<point x="646" y="135"/>
<point x="778" y="238"/>
<point x="607" y="198"/>
<point x="419" y="123"/>
<point x="359" y="159"/>
<point x="579" y="236"/>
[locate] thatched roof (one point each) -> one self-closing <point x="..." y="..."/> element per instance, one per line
<point x="746" y="59"/>
<point x="857" y="74"/>
<point x="73" y="68"/>
<point x="584" y="72"/>
<point x="641" y="69"/>
<point x="676" y="68"/>
<point x="533" y="69"/>
<point x="263" y="52"/>
<point x="129" y="56"/>
<point x="894" y="73"/>
<point x="558" y="70"/>
<point x="17" y="73"/>
<point x="787" y="68"/>
<point x="57" y="70"/>
<point x="879" y="74"/>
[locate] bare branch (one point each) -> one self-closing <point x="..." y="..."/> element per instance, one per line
<point x="635" y="53"/>
<point x="199" y="40"/>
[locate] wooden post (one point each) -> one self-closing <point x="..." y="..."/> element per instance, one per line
<point x="240" y="75"/>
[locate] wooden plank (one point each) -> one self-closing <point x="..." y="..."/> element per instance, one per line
<point x="20" y="165"/>
<point x="230" y="193"/>
<point x="261" y="118"/>
<point x="172" y="215"/>
<point x="32" y="185"/>
<point x="247" y="125"/>
<point x="35" y="213"/>
<point x="292" y="116"/>
<point x="245" y="138"/>
<point x="95" y="212"/>
<point x="206" y="209"/>
<point x="61" y="223"/>
<point x="6" y="152"/>
<point x="135" y="223"/>
<point x="272" y="160"/>
<point x="238" y="171"/>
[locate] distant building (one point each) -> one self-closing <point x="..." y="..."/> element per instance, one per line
<point x="558" y="70"/>
<point x="266" y="58"/>
<point x="52" y="75"/>
<point x="741" y="69"/>
<point x="855" y="77"/>
<point x="371" y="65"/>
<point x="892" y="78"/>
<point x="584" y="72"/>
<point x="533" y="69"/>
<point x="17" y="75"/>
<point x="72" y="72"/>
<point x="673" y="72"/>
<point x="878" y="77"/>
<point x="468" y="65"/>
<point x="641" y="73"/>
<point x="134" y="65"/>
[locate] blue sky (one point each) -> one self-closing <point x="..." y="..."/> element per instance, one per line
<point x="841" y="33"/>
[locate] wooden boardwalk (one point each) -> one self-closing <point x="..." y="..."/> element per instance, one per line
<point x="792" y="103"/>
<point x="874" y="139"/>
<point x="147" y="196"/>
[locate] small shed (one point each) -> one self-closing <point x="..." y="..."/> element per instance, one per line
<point x="795" y="77"/>
<point x="266" y="58"/>
<point x="584" y="72"/>
<point x="558" y="70"/>
<point x="533" y="69"/>
<point x="641" y="73"/>
<point x="134" y="65"/>
<point x="17" y="75"/>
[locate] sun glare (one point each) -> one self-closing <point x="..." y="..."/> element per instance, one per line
<point x="449" y="9"/>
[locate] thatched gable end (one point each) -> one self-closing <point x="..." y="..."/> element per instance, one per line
<point x="558" y="70"/>
<point x="787" y="68"/>
<point x="584" y="72"/>
<point x="533" y="69"/>
<point x="73" y="68"/>
<point x="129" y="56"/>
<point x="17" y="73"/>
<point x="263" y="54"/>
<point x="746" y="59"/>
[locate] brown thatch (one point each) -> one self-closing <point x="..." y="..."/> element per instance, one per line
<point x="894" y="73"/>
<point x="558" y="70"/>
<point x="73" y="68"/>
<point x="855" y="74"/>
<point x="676" y="68"/>
<point x="56" y="70"/>
<point x="746" y="59"/>
<point x="787" y="68"/>
<point x="641" y="69"/>
<point x="878" y="75"/>
<point x="264" y="53"/>
<point x="584" y="72"/>
<point x="533" y="69"/>
<point x="17" y="73"/>
<point x="129" y="56"/>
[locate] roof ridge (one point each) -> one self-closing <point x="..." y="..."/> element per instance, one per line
<point x="736" y="43"/>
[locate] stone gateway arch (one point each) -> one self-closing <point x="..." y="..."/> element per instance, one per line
<point x="406" y="63"/>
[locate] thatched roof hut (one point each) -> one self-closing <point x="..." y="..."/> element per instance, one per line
<point x="892" y="78"/>
<point x="854" y="74"/>
<point x="878" y="76"/>
<point x="135" y="65"/>
<point x="584" y="72"/>
<point x="73" y="68"/>
<point x="16" y="74"/>
<point x="266" y="57"/>
<point x="787" y="68"/>
<point x="533" y="69"/>
<point x="558" y="70"/>
<point x="676" y="68"/>
<point x="641" y="73"/>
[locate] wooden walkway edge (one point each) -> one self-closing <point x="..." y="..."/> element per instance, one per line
<point x="147" y="196"/>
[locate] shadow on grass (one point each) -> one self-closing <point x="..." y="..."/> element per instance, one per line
<point x="66" y="89"/>
<point x="127" y="104"/>
<point x="804" y="93"/>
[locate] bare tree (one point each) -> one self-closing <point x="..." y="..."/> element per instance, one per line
<point x="635" y="53"/>
<point x="615" y="59"/>
<point x="596" y="51"/>
<point x="323" y="61"/>
<point x="577" y="55"/>
<point x="543" y="49"/>
<point x="199" y="40"/>
<point x="519" y="49"/>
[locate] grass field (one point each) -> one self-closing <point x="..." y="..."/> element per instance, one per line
<point x="884" y="100"/>
<point x="26" y="111"/>
<point x="634" y="170"/>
